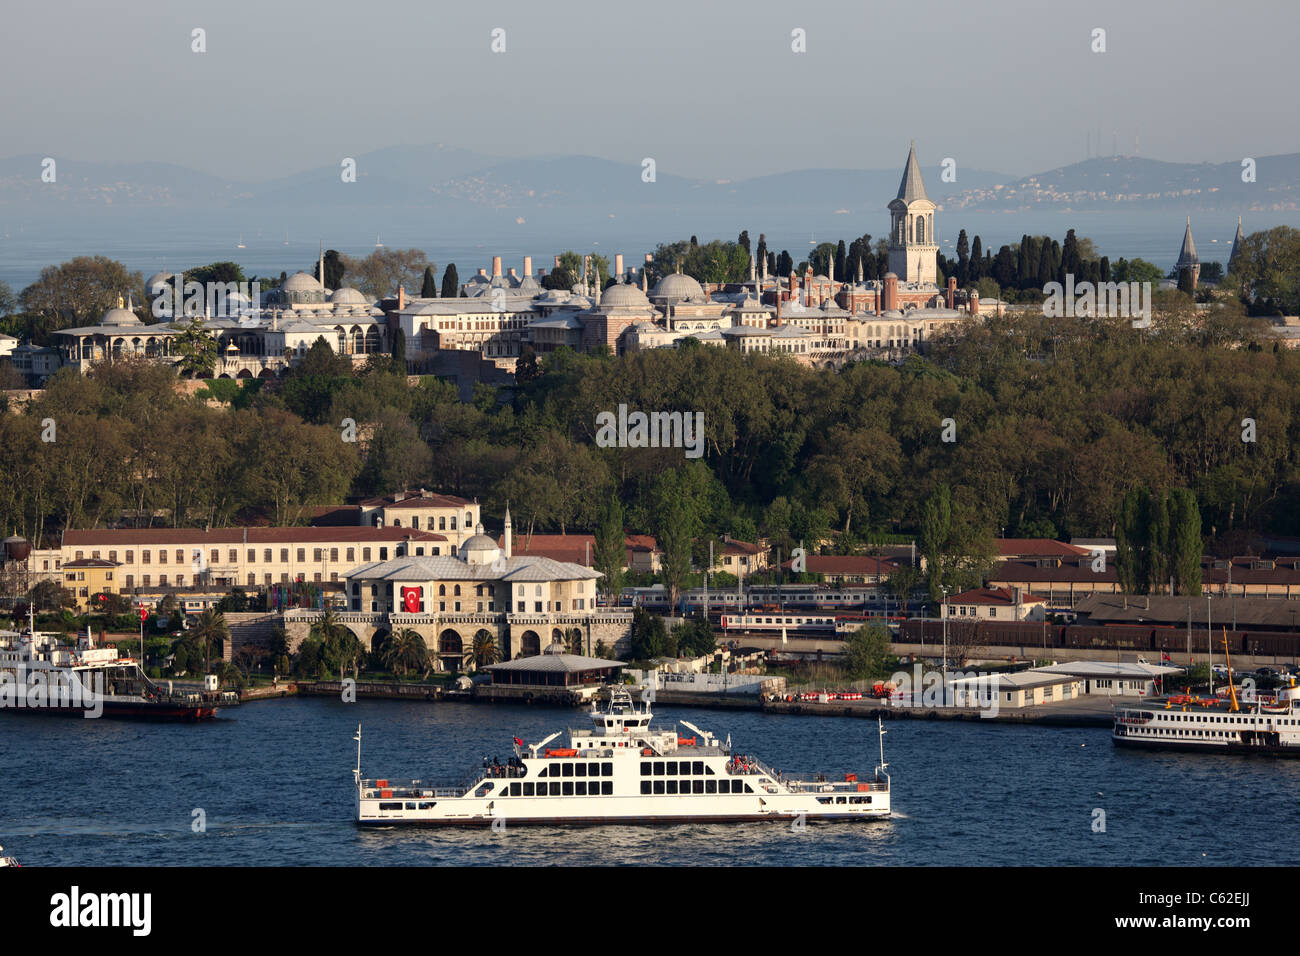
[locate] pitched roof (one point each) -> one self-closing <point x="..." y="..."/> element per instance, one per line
<point x="446" y="568"/>
<point x="845" y="564"/>
<point x="994" y="596"/>
<point x="1037" y="548"/>
<point x="556" y="663"/>
<point x="911" y="187"/>
<point x="1237" y="241"/>
<point x="145" y="537"/>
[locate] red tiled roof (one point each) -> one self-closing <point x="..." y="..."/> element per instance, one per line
<point x="732" y="546"/>
<point x="564" y="547"/>
<point x="167" y="536"/>
<point x="413" y="499"/>
<point x="846" y="564"/>
<point x="999" y="596"/>
<point x="335" y="516"/>
<point x="1037" y="548"/>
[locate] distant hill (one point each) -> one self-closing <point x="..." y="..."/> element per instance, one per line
<point x="1135" y="182"/>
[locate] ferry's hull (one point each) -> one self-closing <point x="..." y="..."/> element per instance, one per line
<point x="633" y="811"/>
<point x="124" y="710"/>
<point x="1271" y="750"/>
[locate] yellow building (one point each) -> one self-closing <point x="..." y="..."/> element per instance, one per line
<point x="88" y="577"/>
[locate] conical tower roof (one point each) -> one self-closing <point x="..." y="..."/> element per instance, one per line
<point x="1187" y="256"/>
<point x="912" y="188"/>
<point x="1237" y="241"/>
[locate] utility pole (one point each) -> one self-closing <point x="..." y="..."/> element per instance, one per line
<point x="1209" y="641"/>
<point x="944" y="666"/>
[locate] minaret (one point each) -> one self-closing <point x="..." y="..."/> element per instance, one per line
<point x="320" y="264"/>
<point x="508" y="533"/>
<point x="1187" y="258"/>
<point x="913" y="254"/>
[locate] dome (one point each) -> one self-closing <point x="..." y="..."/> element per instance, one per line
<point x="348" y="296"/>
<point x="677" y="286"/>
<point x="623" y="296"/>
<point x="301" y="282"/>
<point x="480" y="549"/>
<point x="120" y="316"/>
<point x="157" y="279"/>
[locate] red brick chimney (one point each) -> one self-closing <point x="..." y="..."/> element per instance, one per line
<point x="891" y="292"/>
<point x="951" y="298"/>
<point x="401" y="298"/>
<point x="496" y="267"/>
<point x="974" y="302"/>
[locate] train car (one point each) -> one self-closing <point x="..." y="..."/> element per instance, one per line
<point x="798" y="623"/>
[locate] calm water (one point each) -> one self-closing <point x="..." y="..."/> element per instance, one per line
<point x="274" y="780"/>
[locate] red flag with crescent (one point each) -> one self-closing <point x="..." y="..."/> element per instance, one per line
<point x="411" y="600"/>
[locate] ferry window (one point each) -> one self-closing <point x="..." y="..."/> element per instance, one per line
<point x="528" y="790"/>
<point x="580" y="769"/>
<point x="645" y="768"/>
<point x="710" y="786"/>
<point x="645" y="786"/>
<point x="697" y="768"/>
<point x="568" y="788"/>
<point x="672" y="786"/>
<point x="582" y="788"/>
<point x="607" y="788"/>
<point x="672" y="768"/>
<point x="607" y="769"/>
<point x="516" y="789"/>
<point x="708" y="771"/>
<point x="697" y="786"/>
<point x="555" y="789"/>
<point x="659" y="786"/>
<point x="659" y="768"/>
<point x="568" y="770"/>
<point x="748" y="788"/>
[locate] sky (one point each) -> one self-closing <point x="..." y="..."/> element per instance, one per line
<point x="709" y="89"/>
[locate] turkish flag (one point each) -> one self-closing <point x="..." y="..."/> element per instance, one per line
<point x="411" y="600"/>
<point x="144" y="612"/>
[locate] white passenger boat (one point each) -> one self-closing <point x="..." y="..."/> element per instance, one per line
<point x="623" y="770"/>
<point x="1251" y="722"/>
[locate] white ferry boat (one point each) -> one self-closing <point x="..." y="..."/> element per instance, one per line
<point x="624" y="771"/>
<point x="1255" y="723"/>
<point x="8" y="860"/>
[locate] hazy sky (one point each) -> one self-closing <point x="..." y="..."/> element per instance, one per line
<point x="709" y="88"/>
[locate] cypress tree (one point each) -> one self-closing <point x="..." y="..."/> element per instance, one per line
<point x="976" y="261"/>
<point x="1105" y="268"/>
<point x="784" y="264"/>
<point x="743" y="240"/>
<point x="841" y="263"/>
<point x="399" y="351"/>
<point x="760" y="256"/>
<point x="963" y="258"/>
<point x="450" y="282"/>
<point x="1185" y="542"/>
<point x="771" y="263"/>
<point x="1045" y="271"/>
<point x="428" y="288"/>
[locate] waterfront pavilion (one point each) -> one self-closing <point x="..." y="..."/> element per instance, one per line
<point x="555" y="670"/>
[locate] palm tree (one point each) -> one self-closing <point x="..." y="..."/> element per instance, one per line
<point x="211" y="626"/>
<point x="485" y="648"/>
<point x="406" y="648"/>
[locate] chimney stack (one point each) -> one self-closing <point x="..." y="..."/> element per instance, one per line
<point x="401" y="298"/>
<point x="951" y="298"/>
<point x="891" y="292"/>
<point x="482" y="272"/>
<point x="528" y="265"/>
<point x="511" y="272"/>
<point x="557" y="262"/>
<point x="618" y="265"/>
<point x="974" y="302"/>
<point x="496" y="267"/>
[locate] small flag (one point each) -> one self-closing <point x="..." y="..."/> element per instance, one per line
<point x="518" y="742"/>
<point x="1164" y="656"/>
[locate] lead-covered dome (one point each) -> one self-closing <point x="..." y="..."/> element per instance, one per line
<point x="678" y="286"/>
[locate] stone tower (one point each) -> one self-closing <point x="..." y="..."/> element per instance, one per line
<point x="1187" y="258"/>
<point x="913" y="250"/>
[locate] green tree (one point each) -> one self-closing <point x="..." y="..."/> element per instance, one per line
<point x="866" y="651"/>
<point x="197" y="349"/>
<point x="450" y="282"/>
<point x="210" y="628"/>
<point x="428" y="287"/>
<point x="611" y="549"/>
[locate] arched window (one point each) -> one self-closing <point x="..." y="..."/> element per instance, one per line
<point x="456" y="593"/>
<point x="442" y="590"/>
<point x="920" y="229"/>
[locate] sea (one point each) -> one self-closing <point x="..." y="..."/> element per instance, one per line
<point x="270" y="784"/>
<point x="153" y="241"/>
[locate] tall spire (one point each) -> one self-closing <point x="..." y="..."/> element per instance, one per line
<point x="911" y="188"/>
<point x="508" y="533"/>
<point x="1187" y="255"/>
<point x="1237" y="242"/>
